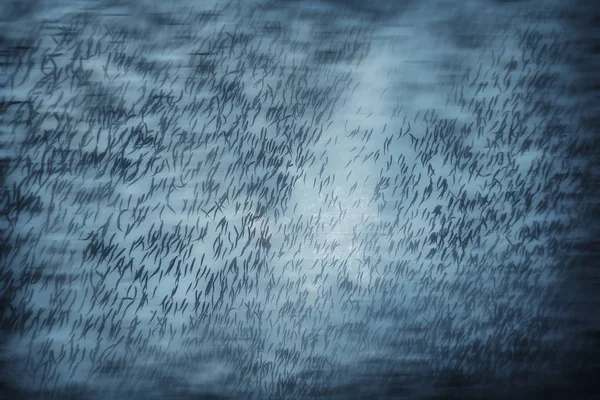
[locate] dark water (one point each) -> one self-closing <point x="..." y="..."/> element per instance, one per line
<point x="299" y="199"/>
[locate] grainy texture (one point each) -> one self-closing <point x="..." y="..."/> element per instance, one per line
<point x="294" y="200"/>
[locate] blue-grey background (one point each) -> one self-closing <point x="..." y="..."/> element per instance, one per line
<point x="298" y="199"/>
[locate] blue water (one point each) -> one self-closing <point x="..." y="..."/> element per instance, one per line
<point x="285" y="199"/>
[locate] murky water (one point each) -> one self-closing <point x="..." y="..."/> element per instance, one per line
<point x="288" y="199"/>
